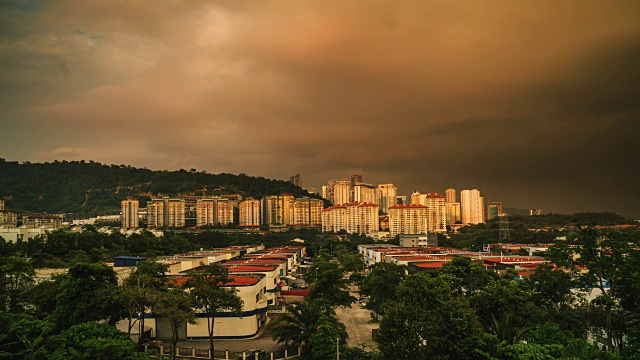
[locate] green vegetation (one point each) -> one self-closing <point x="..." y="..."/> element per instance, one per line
<point x="79" y="186"/>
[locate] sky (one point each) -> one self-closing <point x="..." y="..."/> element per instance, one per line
<point x="536" y="103"/>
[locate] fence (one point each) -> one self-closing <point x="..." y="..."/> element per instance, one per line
<point x="193" y="353"/>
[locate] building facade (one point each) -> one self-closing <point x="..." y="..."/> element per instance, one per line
<point x="130" y="213"/>
<point x="224" y="211"/>
<point x="353" y="217"/>
<point x="472" y="206"/>
<point x="407" y="219"/>
<point x="386" y="196"/>
<point x="306" y="212"/>
<point x="450" y="195"/>
<point x="453" y="213"/>
<point x="276" y="209"/>
<point x="436" y="213"/>
<point x="249" y="211"/>
<point x="205" y="212"/>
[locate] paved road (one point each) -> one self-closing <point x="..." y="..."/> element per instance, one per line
<point x="357" y="320"/>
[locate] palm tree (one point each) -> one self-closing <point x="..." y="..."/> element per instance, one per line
<point x="301" y="320"/>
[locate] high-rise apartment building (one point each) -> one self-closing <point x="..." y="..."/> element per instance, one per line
<point x="341" y="192"/>
<point x="386" y="196"/>
<point x="224" y="211"/>
<point x="453" y="212"/>
<point x="450" y="194"/>
<point x="130" y="213"/>
<point x="1" y="205"/>
<point x="353" y="217"/>
<point x="436" y="213"/>
<point x="276" y="209"/>
<point x="472" y="206"/>
<point x="205" y="212"/>
<point x="155" y="213"/>
<point x="355" y="179"/>
<point x="249" y="211"/>
<point x="407" y="219"/>
<point x="306" y="212"/>
<point x="364" y="193"/>
<point x="175" y="213"/>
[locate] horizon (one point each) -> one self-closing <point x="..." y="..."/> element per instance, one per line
<point x="631" y="217"/>
<point x="534" y="101"/>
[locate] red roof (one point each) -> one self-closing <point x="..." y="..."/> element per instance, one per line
<point x="408" y="206"/>
<point x="235" y="280"/>
<point x="294" y="292"/>
<point x="250" y="268"/>
<point x="434" y="195"/>
<point x="430" y="264"/>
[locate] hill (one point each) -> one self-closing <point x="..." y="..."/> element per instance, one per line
<point x="79" y="186"/>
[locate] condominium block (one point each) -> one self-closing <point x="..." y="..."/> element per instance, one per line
<point x="205" y="212"/>
<point x="453" y="213"/>
<point x="130" y="213"/>
<point x="386" y="196"/>
<point x="306" y="212"/>
<point x="353" y="217"/>
<point x="224" y="211"/>
<point x="175" y="213"/>
<point x="407" y="219"/>
<point x="450" y="194"/>
<point x="276" y="209"/>
<point x="155" y="213"/>
<point x="472" y="206"/>
<point x="363" y="193"/>
<point x="249" y="211"/>
<point x="436" y="213"/>
<point x="166" y="212"/>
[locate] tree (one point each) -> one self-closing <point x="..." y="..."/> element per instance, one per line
<point x="139" y="291"/>
<point x="429" y="320"/>
<point x="209" y="294"/>
<point x="87" y="293"/>
<point x="328" y="283"/>
<point x="300" y="322"/>
<point x="381" y="285"/>
<point x="174" y="307"/>
<point x="16" y="276"/>
<point x="325" y="340"/>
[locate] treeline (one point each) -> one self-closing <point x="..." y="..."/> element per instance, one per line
<point x="63" y="247"/>
<point x="529" y="229"/>
<point x="79" y="186"/>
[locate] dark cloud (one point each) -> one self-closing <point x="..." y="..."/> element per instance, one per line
<point x="536" y="99"/>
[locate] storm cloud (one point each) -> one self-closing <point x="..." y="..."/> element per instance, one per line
<point x="537" y="99"/>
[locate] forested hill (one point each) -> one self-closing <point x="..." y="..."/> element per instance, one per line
<point x="79" y="186"/>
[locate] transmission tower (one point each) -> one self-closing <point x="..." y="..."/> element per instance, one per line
<point x="504" y="235"/>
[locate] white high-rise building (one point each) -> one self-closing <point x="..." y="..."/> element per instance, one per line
<point x="276" y="209"/>
<point x="224" y="211"/>
<point x="436" y="213"/>
<point x="353" y="217"/>
<point x="407" y="219"/>
<point x="364" y="193"/>
<point x="341" y="192"/>
<point x="472" y="206"/>
<point x="176" y="213"/>
<point x="453" y="212"/>
<point x="450" y="195"/>
<point x="249" y="210"/>
<point x="205" y="212"/>
<point x="130" y="213"/>
<point x="306" y="212"/>
<point x="387" y="195"/>
<point x="155" y="213"/>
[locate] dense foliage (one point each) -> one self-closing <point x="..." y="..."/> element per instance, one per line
<point x="79" y="186"/>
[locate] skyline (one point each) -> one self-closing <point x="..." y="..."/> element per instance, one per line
<point x="537" y="99"/>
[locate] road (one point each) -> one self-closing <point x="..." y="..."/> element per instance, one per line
<point x="357" y="319"/>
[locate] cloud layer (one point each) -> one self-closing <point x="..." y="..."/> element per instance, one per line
<point x="538" y="99"/>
